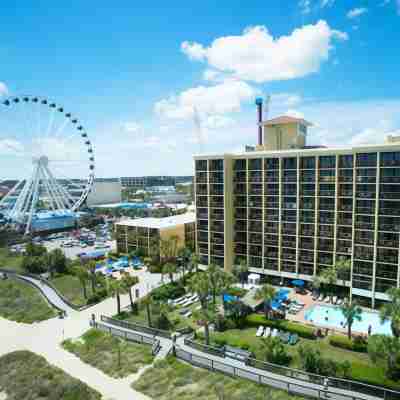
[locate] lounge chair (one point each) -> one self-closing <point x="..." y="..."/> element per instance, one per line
<point x="260" y="331"/>
<point x="334" y="299"/>
<point x="188" y="314"/>
<point x="339" y="302"/>
<point x="267" y="331"/>
<point x="328" y="299"/>
<point x="274" y="332"/>
<point x="294" y="338"/>
<point x="315" y="296"/>
<point x="321" y="297"/>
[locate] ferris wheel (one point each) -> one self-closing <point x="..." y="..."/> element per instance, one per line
<point x="46" y="158"/>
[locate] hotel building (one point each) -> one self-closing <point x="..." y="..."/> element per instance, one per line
<point x="291" y="210"/>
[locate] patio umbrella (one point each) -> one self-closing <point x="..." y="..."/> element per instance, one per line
<point x="298" y="282"/>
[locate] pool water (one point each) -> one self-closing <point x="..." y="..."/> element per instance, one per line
<point x="332" y="317"/>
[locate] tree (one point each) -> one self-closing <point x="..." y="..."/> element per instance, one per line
<point x="387" y="349"/>
<point x="266" y="293"/>
<point x="206" y="316"/>
<point x="91" y="267"/>
<point x="225" y="283"/>
<point x="274" y="350"/>
<point x="147" y="302"/>
<point x="195" y="261"/>
<point x="185" y="255"/>
<point x="214" y="276"/>
<point x="241" y="270"/>
<point x="170" y="269"/>
<point x="35" y="265"/>
<point x="116" y="288"/>
<point x="200" y="285"/>
<point x="391" y="310"/>
<point x="343" y="268"/>
<point x="351" y="312"/>
<point x="329" y="277"/>
<point x="57" y="261"/>
<point x="82" y="274"/>
<point x="35" y="250"/>
<point x="129" y="282"/>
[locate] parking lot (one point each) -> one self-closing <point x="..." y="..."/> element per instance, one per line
<point x="73" y="251"/>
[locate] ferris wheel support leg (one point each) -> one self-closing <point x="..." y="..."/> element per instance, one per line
<point x="11" y="192"/>
<point x="35" y="197"/>
<point x="54" y="194"/>
<point x="53" y="204"/>
<point x="58" y="189"/>
<point x="16" y="212"/>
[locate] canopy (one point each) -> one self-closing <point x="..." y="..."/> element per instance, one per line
<point x="298" y="282"/>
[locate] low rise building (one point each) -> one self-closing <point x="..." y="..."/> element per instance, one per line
<point x="146" y="233"/>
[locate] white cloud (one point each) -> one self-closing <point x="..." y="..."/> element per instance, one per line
<point x="305" y="6"/>
<point x="286" y="99"/>
<point x="151" y="141"/>
<point x="218" y="99"/>
<point x="356" y="12"/>
<point x="218" y="121"/>
<point x="131" y="127"/>
<point x="11" y="147"/>
<point x="257" y="56"/>
<point x="3" y="89"/>
<point x="327" y="3"/>
<point x="294" y="113"/>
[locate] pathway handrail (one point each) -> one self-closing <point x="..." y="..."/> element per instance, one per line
<point x="347" y="384"/>
<point x="135" y="326"/>
<point x="231" y="370"/>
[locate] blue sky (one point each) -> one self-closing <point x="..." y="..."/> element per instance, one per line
<point x="134" y="74"/>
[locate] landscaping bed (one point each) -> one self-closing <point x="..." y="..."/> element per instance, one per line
<point x="361" y="367"/>
<point x="25" y="375"/>
<point x="20" y="302"/>
<point x="113" y="356"/>
<point x="172" y="379"/>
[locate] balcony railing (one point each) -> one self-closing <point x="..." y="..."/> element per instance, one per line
<point x="365" y="195"/>
<point x="202" y="216"/>
<point x="390" y="195"/>
<point x="346" y="193"/>
<point x="389" y="227"/>
<point x="307" y="258"/>
<point x="365" y="210"/>
<point x="346" y="250"/>
<point x="346" y="222"/>
<point x="363" y="225"/>
<point x="389" y="211"/>
<point x="387" y="243"/>
<point x="366" y="241"/>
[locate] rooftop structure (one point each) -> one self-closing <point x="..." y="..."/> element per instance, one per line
<point x="160" y="223"/>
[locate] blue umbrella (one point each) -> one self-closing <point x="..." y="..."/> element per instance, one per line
<point x="298" y="282"/>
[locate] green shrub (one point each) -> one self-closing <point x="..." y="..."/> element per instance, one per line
<point x="275" y="351"/>
<point x="235" y="291"/>
<point x="256" y="320"/>
<point x="219" y="341"/>
<point x="171" y="290"/>
<point x="343" y="342"/>
<point x="155" y="268"/>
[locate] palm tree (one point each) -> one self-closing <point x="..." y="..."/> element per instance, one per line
<point x="82" y="274"/>
<point x="91" y="267"/>
<point x="200" y="285"/>
<point x="170" y="269"/>
<point x="165" y="249"/>
<point x="342" y="267"/>
<point x="129" y="282"/>
<point x="195" y="261"/>
<point x="329" y="276"/>
<point x="116" y="288"/>
<point x="266" y="293"/>
<point x="225" y="283"/>
<point x="148" y="301"/>
<point x="391" y="310"/>
<point x="351" y="312"/>
<point x="241" y="270"/>
<point x="214" y="276"/>
<point x="206" y="316"/>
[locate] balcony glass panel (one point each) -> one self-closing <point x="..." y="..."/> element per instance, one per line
<point x="201" y="165"/>
<point x="307" y="162"/>
<point x="362" y="282"/>
<point x="327" y="162"/>
<point x="216" y="165"/>
<point x="388" y="256"/>
<point x="216" y="177"/>
<point x="255" y="262"/>
<point x="306" y="269"/>
<point x="271" y="163"/>
<point x="255" y="176"/>
<point x="327" y="175"/>
<point x="366" y="160"/>
<point x="386" y="271"/>
<point x="288" y="266"/>
<point x="306" y="256"/>
<point x="240" y="165"/>
<point x="364" y="253"/>
<point x="255" y="201"/>
<point x="271" y="264"/>
<point x="346" y="175"/>
<point x="383" y="285"/>
<point x="217" y="201"/>
<point x="390" y="159"/>
<point x="255" y="164"/>
<point x="346" y="161"/>
<point x="290" y="163"/>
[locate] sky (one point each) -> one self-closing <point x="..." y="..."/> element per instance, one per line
<point x="154" y="83"/>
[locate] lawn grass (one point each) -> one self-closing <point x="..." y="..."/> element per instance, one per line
<point x="362" y="367"/>
<point x="10" y="261"/>
<point x="25" y="375"/>
<point x="100" y="350"/>
<point x="170" y="379"/>
<point x="22" y="303"/>
<point x="70" y="287"/>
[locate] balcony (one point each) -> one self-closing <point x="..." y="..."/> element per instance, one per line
<point x="345" y="207"/>
<point x="364" y="240"/>
<point x="217" y="203"/>
<point x="217" y="227"/>
<point x="365" y="210"/>
<point x="217" y="240"/>
<point x="389" y="211"/>
<point x="345" y="250"/>
<point x="255" y="239"/>
<point x="271" y="255"/>
<point x="255" y="191"/>
<point x="217" y="252"/>
<point x="345" y="221"/>
<point x="271" y="242"/>
<point x="389" y="227"/>
<point x="306" y="257"/>
<point x="255" y="226"/>
<point x="388" y="243"/>
<point x="327" y="193"/>
<point x="389" y="195"/>
<point x="217" y="216"/>
<point x="240" y="176"/>
<point x="327" y="221"/>
<point x="202" y="215"/>
<point x="365" y="195"/>
<point x="271" y="229"/>
<point x="364" y="226"/>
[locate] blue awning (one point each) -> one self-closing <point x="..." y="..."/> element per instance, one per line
<point x="298" y="282"/>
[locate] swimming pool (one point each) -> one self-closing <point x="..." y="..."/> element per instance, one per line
<point x="331" y="317"/>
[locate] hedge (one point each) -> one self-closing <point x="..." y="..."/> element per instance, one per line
<point x="292" y="327"/>
<point x="344" y="342"/>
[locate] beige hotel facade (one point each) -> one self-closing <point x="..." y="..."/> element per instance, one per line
<point x="291" y="210"/>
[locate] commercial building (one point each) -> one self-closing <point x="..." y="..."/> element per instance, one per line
<point x="104" y="191"/>
<point x="145" y="233"/>
<point x="143" y="182"/>
<point x="291" y="211"/>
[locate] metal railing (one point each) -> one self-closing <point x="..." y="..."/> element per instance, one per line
<point x="290" y="387"/>
<point x="306" y="377"/>
<point x="136" y="327"/>
<point x="131" y="336"/>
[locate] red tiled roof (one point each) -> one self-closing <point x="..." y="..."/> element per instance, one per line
<point x="285" y="119"/>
